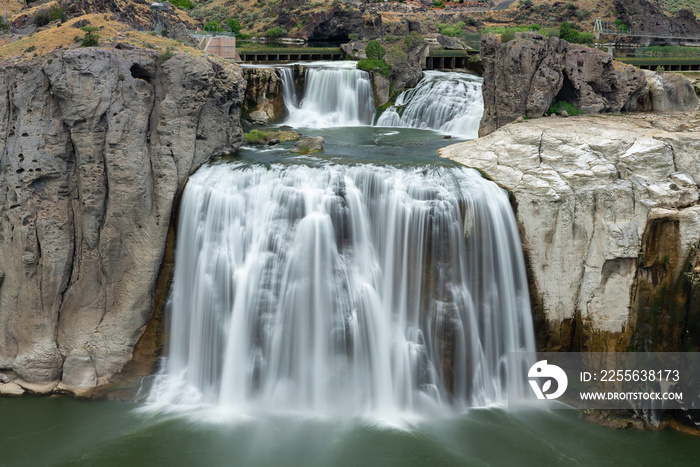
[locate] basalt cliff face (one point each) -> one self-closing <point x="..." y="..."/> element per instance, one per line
<point x="609" y="213"/>
<point x="95" y="146"/>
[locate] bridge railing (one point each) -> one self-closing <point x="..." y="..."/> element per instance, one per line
<point x="604" y="28"/>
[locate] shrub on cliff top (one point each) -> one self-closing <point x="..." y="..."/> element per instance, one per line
<point x="413" y="40"/>
<point x="44" y="17"/>
<point x="374" y="50"/>
<point x="452" y="30"/>
<point x="91" y="38"/>
<point x="370" y="65"/>
<point x="396" y="57"/>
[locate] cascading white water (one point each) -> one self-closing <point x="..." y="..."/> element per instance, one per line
<point x="335" y="94"/>
<point x="443" y="101"/>
<point x="344" y="289"/>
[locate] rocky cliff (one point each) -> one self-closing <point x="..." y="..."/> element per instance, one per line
<point x="95" y="146"/>
<point x="525" y="76"/>
<point x="609" y="212"/>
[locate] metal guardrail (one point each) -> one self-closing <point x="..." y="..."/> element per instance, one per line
<point x="201" y="32"/>
<point x="604" y="28"/>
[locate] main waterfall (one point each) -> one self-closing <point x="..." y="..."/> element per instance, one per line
<point x="344" y="290"/>
<point x="444" y="101"/>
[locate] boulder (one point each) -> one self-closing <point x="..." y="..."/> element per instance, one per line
<point x="594" y="83"/>
<point x="452" y="43"/>
<point x="308" y="144"/>
<point x="666" y="92"/>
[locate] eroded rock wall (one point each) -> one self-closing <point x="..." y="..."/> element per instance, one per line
<point x="95" y="146"/>
<point x="524" y="76"/>
<point x="608" y="208"/>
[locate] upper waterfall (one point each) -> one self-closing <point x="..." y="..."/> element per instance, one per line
<point x="344" y="289"/>
<point x="444" y="101"/>
<point x="335" y="94"/>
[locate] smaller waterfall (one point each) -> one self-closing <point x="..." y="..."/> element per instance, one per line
<point x="335" y="95"/>
<point x="446" y="102"/>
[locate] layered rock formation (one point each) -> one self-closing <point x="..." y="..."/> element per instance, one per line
<point x="96" y="145"/>
<point x="609" y="213"/>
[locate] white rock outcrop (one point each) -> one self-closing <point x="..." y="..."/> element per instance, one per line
<point x="587" y="189"/>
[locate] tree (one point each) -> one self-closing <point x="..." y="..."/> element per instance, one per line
<point x="374" y="50"/>
<point x="234" y="25"/>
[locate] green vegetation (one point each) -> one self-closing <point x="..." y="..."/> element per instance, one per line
<point x="452" y="30"/>
<point x="353" y="36"/>
<point x="622" y="27"/>
<point x="568" y="31"/>
<point x="186" y="4"/>
<point x="374" y="50"/>
<point x="275" y="33"/>
<point x="370" y="65"/>
<point x="660" y="69"/>
<point x="3" y="25"/>
<point x="438" y="4"/>
<point x="666" y="51"/>
<point x="167" y="54"/>
<point x="91" y="38"/>
<point x="572" y="33"/>
<point x="31" y="48"/>
<point x="234" y="25"/>
<point x="256" y="137"/>
<point x="413" y="40"/>
<point x="673" y="6"/>
<point x="212" y="26"/>
<point x="558" y="107"/>
<point x="395" y="56"/>
<point x="44" y="17"/>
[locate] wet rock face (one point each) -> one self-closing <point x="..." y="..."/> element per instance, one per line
<point x="98" y="143"/>
<point x="609" y="214"/>
<point x="264" y="100"/>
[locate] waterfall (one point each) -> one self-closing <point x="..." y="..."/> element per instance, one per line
<point x="443" y="101"/>
<point x="344" y="290"/>
<point x="335" y="94"/>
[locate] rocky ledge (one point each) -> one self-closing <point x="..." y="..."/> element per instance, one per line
<point x="610" y="224"/>
<point x="95" y="146"/>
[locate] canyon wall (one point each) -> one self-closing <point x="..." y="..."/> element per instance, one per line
<point x="95" y="146"/>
